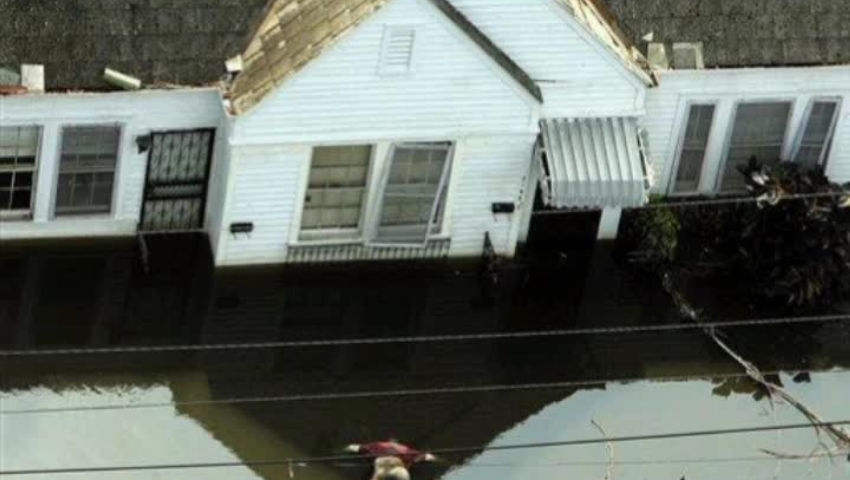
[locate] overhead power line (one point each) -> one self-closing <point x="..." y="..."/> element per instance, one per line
<point x="712" y="202"/>
<point x="290" y="462"/>
<point x="385" y="393"/>
<point x="424" y="338"/>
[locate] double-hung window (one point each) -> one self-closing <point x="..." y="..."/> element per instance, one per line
<point x="758" y="132"/>
<point x="336" y="192"/>
<point x="407" y="208"/>
<point x="692" y="154"/>
<point x="89" y="156"/>
<point x="18" y="162"/>
<point x="816" y="140"/>
<point x="414" y="195"/>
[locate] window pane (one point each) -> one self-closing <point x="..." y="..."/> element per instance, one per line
<point x="693" y="148"/>
<point x="815" y="137"/>
<point x="87" y="169"/>
<point x="337" y="184"/>
<point x="413" y="192"/>
<point x="758" y="132"/>
<point x="63" y="190"/>
<point x="18" y="149"/>
<point x="21" y="200"/>
<point x="16" y="142"/>
<point x="23" y="179"/>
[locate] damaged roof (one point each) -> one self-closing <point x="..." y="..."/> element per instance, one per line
<point x="597" y="17"/>
<point x="159" y="41"/>
<point x="745" y="33"/>
<point x="295" y="32"/>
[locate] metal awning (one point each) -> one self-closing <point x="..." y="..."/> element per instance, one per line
<point x="593" y="163"/>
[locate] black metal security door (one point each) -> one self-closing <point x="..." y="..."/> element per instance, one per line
<point x="177" y="178"/>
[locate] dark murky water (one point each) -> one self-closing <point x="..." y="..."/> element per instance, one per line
<point x="192" y="407"/>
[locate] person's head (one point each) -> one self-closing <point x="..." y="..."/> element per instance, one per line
<point x="390" y="468"/>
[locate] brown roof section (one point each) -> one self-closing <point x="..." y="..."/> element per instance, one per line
<point x="294" y="32"/>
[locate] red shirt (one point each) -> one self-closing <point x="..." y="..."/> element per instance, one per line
<point x="407" y="455"/>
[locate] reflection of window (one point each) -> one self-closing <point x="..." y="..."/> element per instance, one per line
<point x="336" y="190"/>
<point x="87" y="170"/>
<point x="817" y="135"/>
<point x="415" y="192"/>
<point x="694" y="144"/>
<point x="759" y="131"/>
<point x="18" y="153"/>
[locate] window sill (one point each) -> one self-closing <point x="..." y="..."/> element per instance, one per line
<point x="9" y="217"/>
<point x="72" y="217"/>
<point x="360" y="241"/>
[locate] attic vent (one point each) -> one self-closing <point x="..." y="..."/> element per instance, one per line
<point x="397" y="51"/>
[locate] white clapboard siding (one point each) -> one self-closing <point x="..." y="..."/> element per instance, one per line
<point x="488" y="170"/>
<point x="264" y="190"/>
<point x="666" y="108"/>
<point x="218" y="182"/>
<point x="579" y="77"/>
<point x="452" y="88"/>
<point x="137" y="112"/>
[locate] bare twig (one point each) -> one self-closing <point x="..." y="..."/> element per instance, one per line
<point x="838" y="435"/>
<point x="609" y="471"/>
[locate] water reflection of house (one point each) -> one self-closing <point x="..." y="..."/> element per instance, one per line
<point x="103" y="296"/>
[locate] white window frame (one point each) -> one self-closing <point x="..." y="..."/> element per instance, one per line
<point x="120" y="154"/>
<point x="432" y="231"/>
<point x="730" y="130"/>
<point x="378" y="176"/>
<point x="830" y="135"/>
<point x="680" y="145"/>
<point x="386" y="71"/>
<point x="28" y="214"/>
<point x="337" y="235"/>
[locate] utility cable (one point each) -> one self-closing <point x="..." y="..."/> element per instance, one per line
<point x="425" y="338"/>
<point x="712" y="202"/>
<point x="385" y="393"/>
<point x="439" y="451"/>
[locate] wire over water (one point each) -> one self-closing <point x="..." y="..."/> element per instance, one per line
<point x="425" y="338"/>
<point x="289" y="462"/>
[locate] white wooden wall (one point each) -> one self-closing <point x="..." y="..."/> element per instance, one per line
<point x="454" y="89"/>
<point x="218" y="183"/>
<point x="138" y="113"/>
<point x="577" y="73"/>
<point x="667" y="106"/>
<point x="267" y="186"/>
<point x="455" y="93"/>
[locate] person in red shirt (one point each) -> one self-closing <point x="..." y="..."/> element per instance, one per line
<point x="392" y="459"/>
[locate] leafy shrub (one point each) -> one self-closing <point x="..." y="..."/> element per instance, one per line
<point x="780" y="250"/>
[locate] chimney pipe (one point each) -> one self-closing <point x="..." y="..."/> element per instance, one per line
<point x="32" y="77"/>
<point x="121" y="80"/>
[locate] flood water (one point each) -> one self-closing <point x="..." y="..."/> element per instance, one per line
<point x="249" y="405"/>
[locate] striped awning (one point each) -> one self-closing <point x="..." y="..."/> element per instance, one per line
<point x="593" y="163"/>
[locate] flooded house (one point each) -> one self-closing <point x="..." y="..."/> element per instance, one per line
<point x="291" y="132"/>
<point x="739" y="79"/>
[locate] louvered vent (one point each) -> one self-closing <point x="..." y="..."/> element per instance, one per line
<point x="397" y="56"/>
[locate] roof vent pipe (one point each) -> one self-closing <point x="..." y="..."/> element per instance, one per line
<point x="688" y="56"/>
<point x="121" y="80"/>
<point x="32" y="77"/>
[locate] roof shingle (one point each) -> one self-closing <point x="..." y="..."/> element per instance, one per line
<point x="745" y="33"/>
<point x="159" y="41"/>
